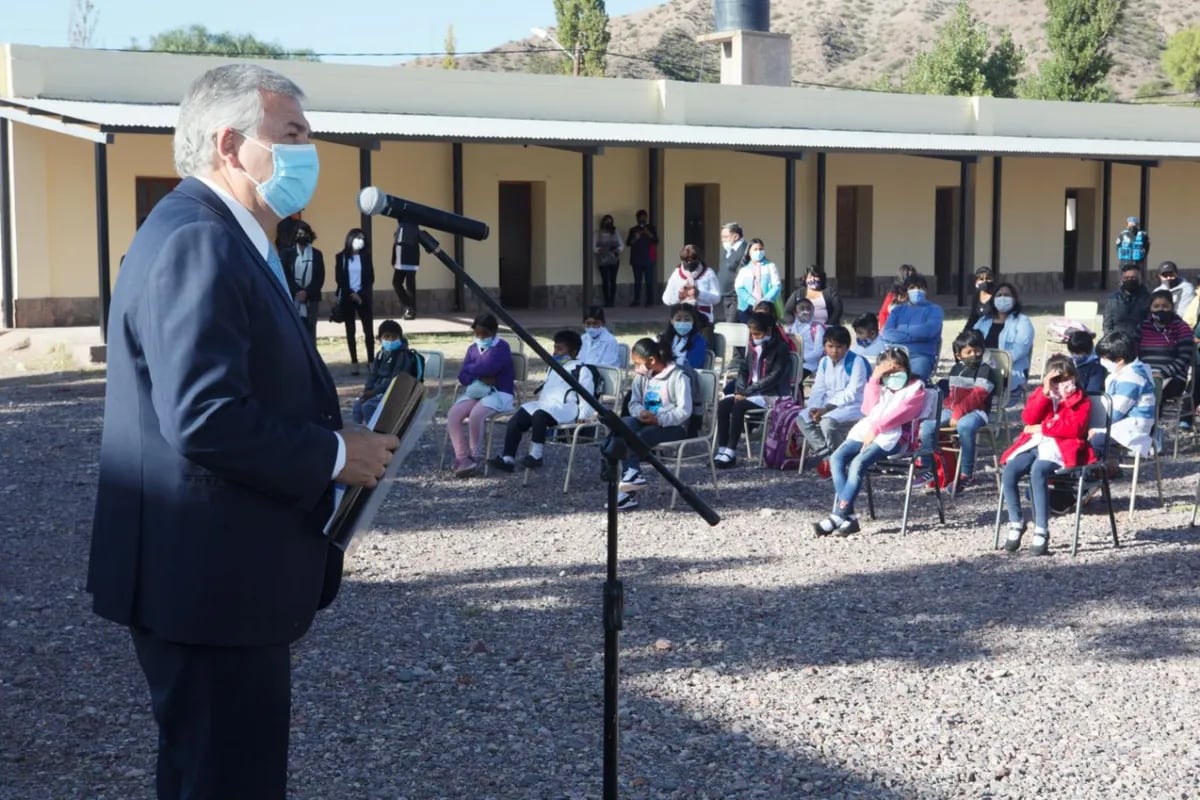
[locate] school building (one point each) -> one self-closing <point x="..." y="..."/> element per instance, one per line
<point x="858" y="182"/>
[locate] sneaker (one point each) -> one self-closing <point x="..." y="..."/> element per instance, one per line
<point x="632" y="480"/>
<point x="1040" y="545"/>
<point x="847" y="527"/>
<point x="626" y="501"/>
<point x="924" y="478"/>
<point x="827" y="526"/>
<point x="725" y="461"/>
<point x="1185" y="424"/>
<point x="529" y="462"/>
<point x="496" y="462"/>
<point x="823" y="470"/>
<point x="464" y="467"/>
<point x="964" y="482"/>
<point x="1013" y="543"/>
<point x="410" y="314"/>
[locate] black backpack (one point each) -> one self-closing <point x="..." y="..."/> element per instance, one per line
<point x="599" y="386"/>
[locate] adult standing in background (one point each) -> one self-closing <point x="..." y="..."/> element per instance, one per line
<point x="304" y="266"/>
<point x="1133" y="245"/>
<point x="827" y="304"/>
<point x="733" y="256"/>
<point x="608" y="247"/>
<point x="643" y="257"/>
<point x="221" y="446"/>
<point x="406" y="260"/>
<point x="354" y="273"/>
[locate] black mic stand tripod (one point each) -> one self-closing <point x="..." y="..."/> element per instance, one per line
<point x="613" y="451"/>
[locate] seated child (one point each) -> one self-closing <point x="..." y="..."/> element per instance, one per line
<point x="684" y="336"/>
<point x="1081" y="347"/>
<point x="809" y="334"/>
<point x="835" y="402"/>
<point x="769" y="308"/>
<point x="659" y="408"/>
<point x="1055" y="417"/>
<point x="557" y="404"/>
<point x="969" y="393"/>
<point x="866" y="336"/>
<point x="1130" y="384"/>
<point x="393" y="358"/>
<point x="762" y="376"/>
<point x="893" y="401"/>
<point x="600" y="347"/>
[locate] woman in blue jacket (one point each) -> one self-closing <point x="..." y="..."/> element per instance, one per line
<point x="1004" y="327"/>
<point x="757" y="281"/>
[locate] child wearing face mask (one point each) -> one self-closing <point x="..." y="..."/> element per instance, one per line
<point x="1054" y="436"/>
<point x="1130" y="384"/>
<point x="600" y="347"/>
<point x="763" y="374"/>
<point x="810" y="336"/>
<point x="970" y="388"/>
<point x="757" y="281"/>
<point x="1081" y="349"/>
<point x="893" y="401"/>
<point x="557" y="404"/>
<point x="772" y="310"/>
<point x="393" y="357"/>
<point x="866" y="337"/>
<point x="684" y="338"/>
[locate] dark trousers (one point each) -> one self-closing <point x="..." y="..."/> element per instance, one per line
<point x="731" y="309"/>
<point x="643" y="275"/>
<point x="404" y="281"/>
<point x="539" y="422"/>
<point x="652" y="435"/>
<point x="731" y="418"/>
<point x="223" y="715"/>
<point x="363" y="310"/>
<point x="608" y="281"/>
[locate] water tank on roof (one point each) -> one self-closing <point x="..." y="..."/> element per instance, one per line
<point x="742" y="15"/>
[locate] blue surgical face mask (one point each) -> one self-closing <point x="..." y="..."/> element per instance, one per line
<point x="562" y="358"/>
<point x="1080" y="359"/>
<point x="484" y="344"/>
<point x="594" y="332"/>
<point x="864" y="342"/>
<point x="392" y="345"/>
<point x="682" y="328"/>
<point x="1003" y="303"/>
<point x="916" y="296"/>
<point x="759" y="341"/>
<point x="759" y="255"/>
<point x="293" y="178"/>
<point x="896" y="381"/>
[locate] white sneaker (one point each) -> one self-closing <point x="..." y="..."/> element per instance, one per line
<point x="632" y="480"/>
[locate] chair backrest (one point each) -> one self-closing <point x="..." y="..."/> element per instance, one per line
<point x="710" y="359"/>
<point x="1100" y="413"/>
<point x="736" y="334"/>
<point x="614" y="384"/>
<point x="520" y="364"/>
<point x="933" y="411"/>
<point x="797" y="375"/>
<point x="514" y="342"/>
<point x="717" y="350"/>
<point x="435" y="372"/>
<point x="1002" y="361"/>
<point x="1082" y="310"/>
<point x="624" y="356"/>
<point x="710" y="384"/>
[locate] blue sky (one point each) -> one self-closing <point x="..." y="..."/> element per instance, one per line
<point x="392" y="26"/>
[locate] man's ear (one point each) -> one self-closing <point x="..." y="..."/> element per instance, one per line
<point x="227" y="146"/>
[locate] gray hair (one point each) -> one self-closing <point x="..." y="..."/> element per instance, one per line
<point x="228" y="96"/>
<point x="733" y="228"/>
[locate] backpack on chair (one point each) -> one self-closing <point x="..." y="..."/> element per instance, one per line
<point x="781" y="450"/>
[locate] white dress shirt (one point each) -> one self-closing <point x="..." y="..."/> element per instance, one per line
<point x="258" y="238"/>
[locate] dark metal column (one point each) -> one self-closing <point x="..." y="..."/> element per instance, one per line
<point x="966" y="226"/>
<point x="655" y="211"/>
<point x="997" y="198"/>
<point x="456" y="156"/>
<point x="101" y="161"/>
<point x="588" y="235"/>
<point x="1144" y="211"/>
<point x="1105" y="223"/>
<point x="6" y="255"/>
<point x="789" y="225"/>
<point x="364" y="180"/>
<point x="820" y="259"/>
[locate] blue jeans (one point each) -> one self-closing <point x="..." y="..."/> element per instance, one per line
<point x="363" y="410"/>
<point x="1039" y="477"/>
<point x="848" y="463"/>
<point x="922" y="365"/>
<point x="968" y="427"/>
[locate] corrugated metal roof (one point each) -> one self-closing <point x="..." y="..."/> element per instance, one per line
<point x="116" y="117"/>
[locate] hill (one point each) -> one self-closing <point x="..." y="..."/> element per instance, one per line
<point x="846" y="43"/>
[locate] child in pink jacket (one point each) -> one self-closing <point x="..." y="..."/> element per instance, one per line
<point x="893" y="402"/>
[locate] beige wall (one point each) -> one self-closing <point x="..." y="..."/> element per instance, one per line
<point x="129" y="158"/>
<point x="1033" y="211"/>
<point x="1174" y="228"/>
<point x="418" y="171"/>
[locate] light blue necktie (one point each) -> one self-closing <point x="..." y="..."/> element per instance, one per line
<point x="277" y="267"/>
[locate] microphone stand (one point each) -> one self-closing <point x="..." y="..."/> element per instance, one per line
<point x="613" y="450"/>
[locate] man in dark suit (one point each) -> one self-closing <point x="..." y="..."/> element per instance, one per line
<point x="221" y="446"/>
<point x="733" y="255"/>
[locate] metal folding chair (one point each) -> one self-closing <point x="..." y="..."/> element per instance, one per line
<point x="906" y="464"/>
<point x="703" y="443"/>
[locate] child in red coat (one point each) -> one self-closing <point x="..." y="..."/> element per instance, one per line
<point x="1055" y="436"/>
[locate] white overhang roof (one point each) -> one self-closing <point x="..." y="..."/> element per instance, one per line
<point x="98" y="121"/>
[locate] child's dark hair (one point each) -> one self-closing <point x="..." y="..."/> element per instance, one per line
<point x="392" y="327"/>
<point x="571" y="339"/>
<point x="1117" y="346"/>
<point x="898" y="355"/>
<point x="595" y="312"/>
<point x="804" y="301"/>
<point x="866" y="322"/>
<point x="971" y="338"/>
<point x="905" y="272"/>
<point x="487" y="322"/>
<point x="648" y="348"/>
<point x="1061" y="364"/>
<point x="761" y="321"/>
<point x="1081" y="343"/>
<point x="836" y="334"/>
<point x="916" y="281"/>
<point x="766" y="307"/>
<point x="668" y="336"/>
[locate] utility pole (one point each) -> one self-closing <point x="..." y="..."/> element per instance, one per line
<point x="577" y="54"/>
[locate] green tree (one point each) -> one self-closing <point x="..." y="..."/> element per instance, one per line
<point x="81" y="24"/>
<point x="679" y="57"/>
<point x="1181" y="60"/>
<point x="583" y="27"/>
<point x="963" y="61"/>
<point x="451" y="47"/>
<point x="1079" y="34"/>
<point x="197" y="39"/>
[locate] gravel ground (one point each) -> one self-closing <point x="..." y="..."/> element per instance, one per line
<point x="462" y="659"/>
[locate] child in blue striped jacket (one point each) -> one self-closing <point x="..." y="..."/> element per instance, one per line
<point x="1130" y="385"/>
